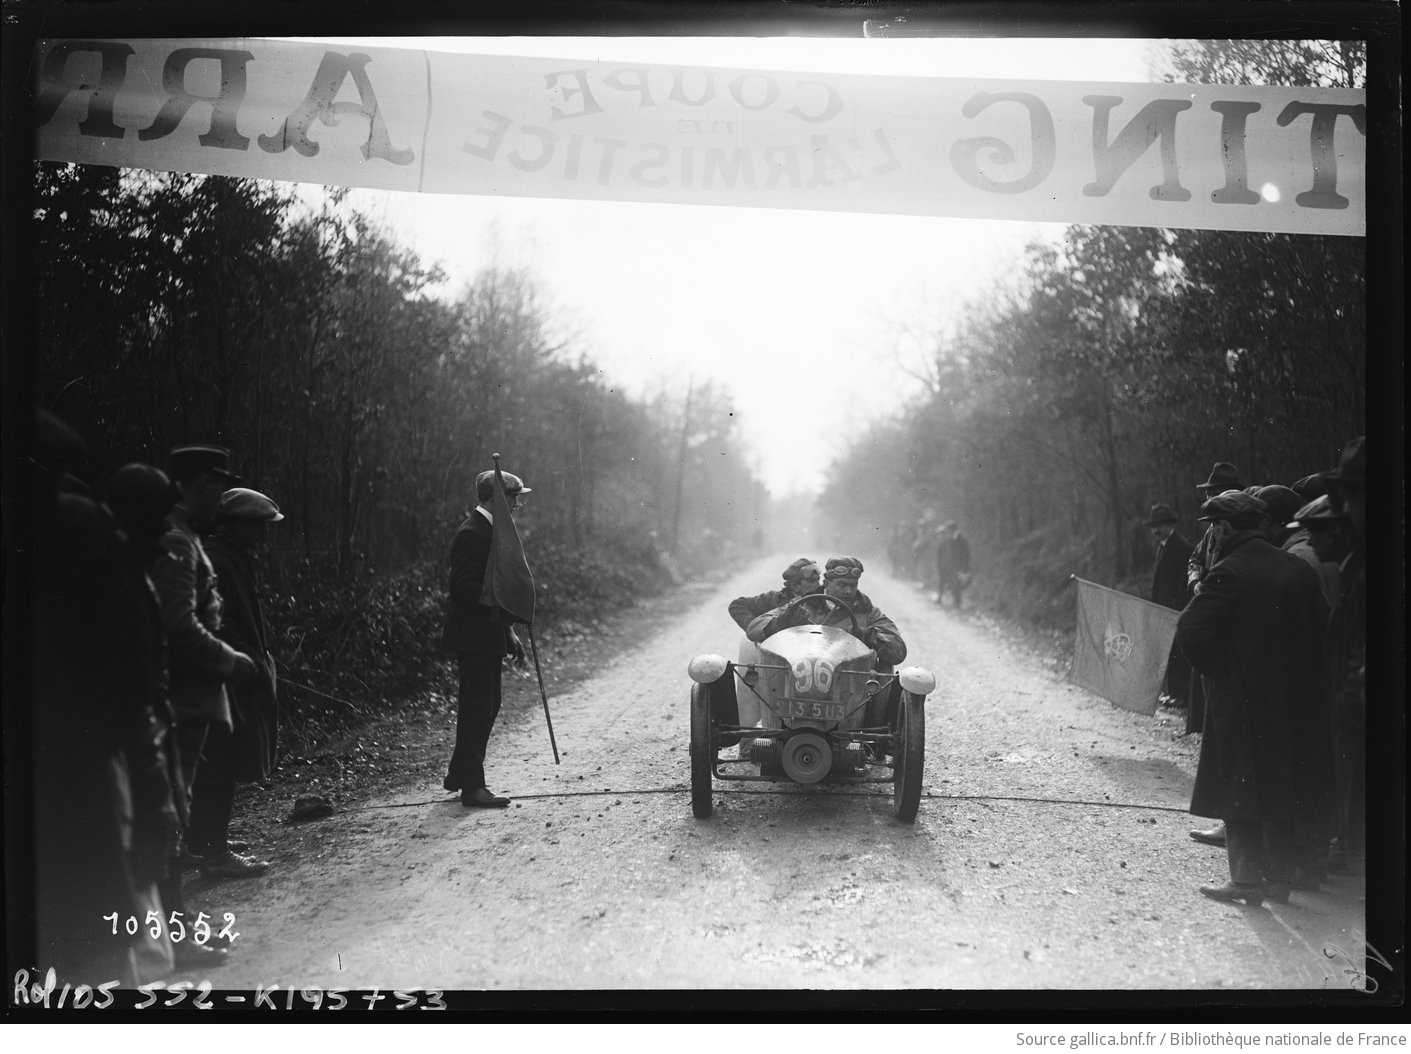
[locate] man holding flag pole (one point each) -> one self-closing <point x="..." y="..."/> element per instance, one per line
<point x="491" y="589"/>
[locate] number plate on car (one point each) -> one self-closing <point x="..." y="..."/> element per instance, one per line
<point x="813" y="709"/>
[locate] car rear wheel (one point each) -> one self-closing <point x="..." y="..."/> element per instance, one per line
<point x="702" y="751"/>
<point x="909" y="755"/>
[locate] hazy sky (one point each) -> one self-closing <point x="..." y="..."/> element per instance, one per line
<point x="795" y="311"/>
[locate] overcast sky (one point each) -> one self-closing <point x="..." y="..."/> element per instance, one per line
<point x="795" y="311"/>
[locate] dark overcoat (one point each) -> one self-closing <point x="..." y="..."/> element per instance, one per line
<point x="247" y="751"/>
<point x="1169" y="587"/>
<point x="1255" y="631"/>
<point x="472" y="627"/>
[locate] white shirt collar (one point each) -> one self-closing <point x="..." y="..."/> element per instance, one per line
<point x="486" y="513"/>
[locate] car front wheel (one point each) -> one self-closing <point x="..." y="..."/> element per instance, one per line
<point x="702" y="752"/>
<point x="909" y="755"/>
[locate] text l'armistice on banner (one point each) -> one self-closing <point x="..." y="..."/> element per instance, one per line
<point x="1172" y="155"/>
<point x="1121" y="646"/>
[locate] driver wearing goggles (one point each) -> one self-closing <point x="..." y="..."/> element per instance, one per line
<point x="841" y="576"/>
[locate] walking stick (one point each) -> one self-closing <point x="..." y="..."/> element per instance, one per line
<point x="542" y="694"/>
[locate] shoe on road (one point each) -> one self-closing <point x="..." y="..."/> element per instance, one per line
<point x="481" y="798"/>
<point x="1253" y="895"/>
<point x="232" y="865"/>
<point x="1210" y="835"/>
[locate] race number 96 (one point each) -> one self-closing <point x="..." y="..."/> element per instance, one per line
<point x="811" y="673"/>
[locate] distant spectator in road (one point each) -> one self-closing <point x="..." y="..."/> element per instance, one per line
<point x="200" y="663"/>
<point x="1169" y="589"/>
<point x="1347" y="644"/>
<point x="800" y="579"/>
<point x="952" y="563"/>
<point x="1254" y="630"/>
<point x="1223" y="476"/>
<point x="246" y="752"/>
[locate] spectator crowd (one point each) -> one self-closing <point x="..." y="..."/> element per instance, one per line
<point x="1270" y="661"/>
<point x="154" y="695"/>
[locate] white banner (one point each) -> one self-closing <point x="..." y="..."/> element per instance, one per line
<point x="1170" y="155"/>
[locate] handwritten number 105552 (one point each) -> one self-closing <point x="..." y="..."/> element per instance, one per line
<point x="174" y="926"/>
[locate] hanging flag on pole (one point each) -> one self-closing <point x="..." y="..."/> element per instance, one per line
<point x="509" y="585"/>
<point x="1121" y="647"/>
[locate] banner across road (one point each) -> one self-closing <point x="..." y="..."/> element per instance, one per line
<point x="1247" y="158"/>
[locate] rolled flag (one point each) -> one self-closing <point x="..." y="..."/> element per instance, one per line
<point x="509" y="585"/>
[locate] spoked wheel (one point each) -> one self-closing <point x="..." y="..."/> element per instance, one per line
<point x="909" y="755"/>
<point x="702" y="751"/>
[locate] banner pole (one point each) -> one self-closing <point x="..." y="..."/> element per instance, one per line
<point x="534" y="648"/>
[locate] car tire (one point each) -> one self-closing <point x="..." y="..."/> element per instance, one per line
<point x="909" y="756"/>
<point x="702" y="752"/>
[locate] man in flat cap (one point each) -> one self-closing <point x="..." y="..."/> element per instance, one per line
<point x="481" y="640"/>
<point x="246" y="753"/>
<point x="1347" y="643"/>
<point x="801" y="578"/>
<point x="1254" y="630"/>
<point x="200" y="663"/>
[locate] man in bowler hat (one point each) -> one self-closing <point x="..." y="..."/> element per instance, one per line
<point x="481" y="640"/>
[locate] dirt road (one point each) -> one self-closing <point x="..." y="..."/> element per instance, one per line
<point x="1051" y="849"/>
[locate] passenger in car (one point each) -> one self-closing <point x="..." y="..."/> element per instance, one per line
<point x="841" y="577"/>
<point x="800" y="579"/>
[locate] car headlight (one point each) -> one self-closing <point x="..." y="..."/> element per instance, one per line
<point x="707" y="668"/>
<point x="917" y="679"/>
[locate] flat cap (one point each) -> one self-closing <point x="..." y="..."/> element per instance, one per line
<point x="241" y="503"/>
<point x="1233" y="506"/>
<point x="485" y="484"/>
<point x="1282" y="502"/>
<point x="1318" y="511"/>
<point x="795" y="570"/>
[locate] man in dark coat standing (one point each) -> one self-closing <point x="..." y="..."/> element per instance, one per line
<point x="244" y="753"/>
<point x="481" y="639"/>
<point x="1223" y="476"/>
<point x="1254" y="629"/>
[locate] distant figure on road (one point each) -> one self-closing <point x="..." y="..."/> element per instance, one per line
<point x="952" y="563"/>
<point x="1255" y="630"/>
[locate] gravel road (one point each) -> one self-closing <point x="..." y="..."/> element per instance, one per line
<point x="1051" y="850"/>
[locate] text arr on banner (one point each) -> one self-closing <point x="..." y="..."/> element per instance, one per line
<point x="1121" y="647"/>
<point x="1224" y="157"/>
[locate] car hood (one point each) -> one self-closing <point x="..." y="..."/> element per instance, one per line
<point x="812" y="642"/>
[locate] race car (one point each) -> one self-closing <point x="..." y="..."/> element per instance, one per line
<point x="829" y="714"/>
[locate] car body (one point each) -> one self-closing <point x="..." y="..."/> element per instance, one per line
<point x="827" y="714"/>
